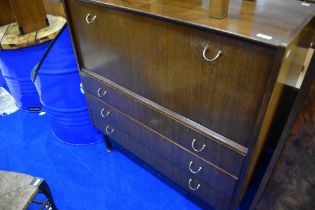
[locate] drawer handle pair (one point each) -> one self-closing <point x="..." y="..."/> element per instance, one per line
<point x="109" y="130"/>
<point x="106" y="114"/>
<point x="193" y="188"/>
<point x="191" y="170"/>
<point x="101" y="92"/>
<point x="89" y="19"/>
<point x="194" y="148"/>
<point x="210" y="59"/>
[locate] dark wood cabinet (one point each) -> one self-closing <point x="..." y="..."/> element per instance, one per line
<point x="191" y="96"/>
<point x="180" y="177"/>
<point x="186" y="160"/>
<point x="141" y="52"/>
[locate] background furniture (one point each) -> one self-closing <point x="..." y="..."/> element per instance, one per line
<point x="192" y="97"/>
<point x="289" y="180"/>
<point x="54" y="7"/>
<point x="36" y="11"/>
<point x="27" y="49"/>
<point x="29" y="15"/>
<point x="218" y="8"/>
<point x="18" y="191"/>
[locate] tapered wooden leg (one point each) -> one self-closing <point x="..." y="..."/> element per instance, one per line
<point x="218" y="8"/>
<point x="44" y="188"/>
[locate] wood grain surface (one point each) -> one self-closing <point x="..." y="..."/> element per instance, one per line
<point x="54" y="8"/>
<point x="169" y="170"/>
<point x="292" y="183"/>
<point x="30" y="15"/>
<point x="51" y="31"/>
<point x="14" y="40"/>
<point x="181" y="131"/>
<point x="3" y="29"/>
<point x="217" y="178"/>
<point x="156" y="52"/>
<point x="199" y="90"/>
<point x="218" y="8"/>
<point x="279" y="19"/>
<point x="11" y="38"/>
<point x="6" y="13"/>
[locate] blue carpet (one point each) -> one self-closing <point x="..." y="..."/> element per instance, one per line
<point x="81" y="177"/>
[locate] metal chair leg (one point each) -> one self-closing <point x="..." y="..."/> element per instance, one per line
<point x="44" y="188"/>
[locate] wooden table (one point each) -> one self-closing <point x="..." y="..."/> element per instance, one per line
<point x="11" y="39"/>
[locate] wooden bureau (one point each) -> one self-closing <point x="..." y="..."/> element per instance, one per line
<point x="191" y="96"/>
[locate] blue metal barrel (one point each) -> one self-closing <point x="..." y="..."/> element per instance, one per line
<point x="16" y="66"/>
<point x="3" y="83"/>
<point x="58" y="84"/>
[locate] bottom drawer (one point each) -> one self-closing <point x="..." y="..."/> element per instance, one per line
<point x="193" y="186"/>
<point x="108" y="119"/>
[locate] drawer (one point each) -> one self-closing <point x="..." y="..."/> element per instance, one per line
<point x="207" y="147"/>
<point x="108" y="119"/>
<point x="191" y="185"/>
<point x="164" y="62"/>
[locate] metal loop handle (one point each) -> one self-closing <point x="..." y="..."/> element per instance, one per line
<point x="88" y="18"/>
<point x="109" y="131"/>
<point x="212" y="59"/>
<point x="101" y="94"/>
<point x="192" y="171"/>
<point x="193" y="188"/>
<point x="104" y="115"/>
<point x="194" y="148"/>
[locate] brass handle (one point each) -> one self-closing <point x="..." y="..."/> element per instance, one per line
<point x="212" y="59"/>
<point x="101" y="92"/>
<point x="106" y="114"/>
<point x="89" y="19"/>
<point x="109" y="130"/>
<point x="191" y="170"/>
<point x="193" y="188"/>
<point x="194" y="148"/>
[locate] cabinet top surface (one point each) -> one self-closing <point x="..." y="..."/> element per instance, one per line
<point x="274" y="22"/>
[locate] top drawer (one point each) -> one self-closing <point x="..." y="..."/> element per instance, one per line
<point x="205" y="146"/>
<point x="171" y="65"/>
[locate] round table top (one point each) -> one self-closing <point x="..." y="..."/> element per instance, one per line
<point x="11" y="39"/>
